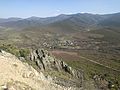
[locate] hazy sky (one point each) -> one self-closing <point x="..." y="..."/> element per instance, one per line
<point x="46" y="8"/>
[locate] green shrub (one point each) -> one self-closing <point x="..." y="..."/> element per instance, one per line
<point x="15" y="50"/>
<point x="24" y="53"/>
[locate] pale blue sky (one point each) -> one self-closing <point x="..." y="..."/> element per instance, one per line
<point x="47" y="8"/>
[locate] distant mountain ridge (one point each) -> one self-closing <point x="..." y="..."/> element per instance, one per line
<point x="79" y="21"/>
<point x="3" y="20"/>
<point x="32" y="21"/>
<point x="112" y="21"/>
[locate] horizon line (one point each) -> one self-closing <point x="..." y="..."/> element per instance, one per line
<point x="57" y="15"/>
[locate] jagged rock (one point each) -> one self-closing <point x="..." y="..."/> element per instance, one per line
<point x="40" y="53"/>
<point x="45" y="61"/>
<point x="66" y="67"/>
<point x="39" y="64"/>
<point x="42" y="59"/>
<point x="57" y="65"/>
<point x="101" y="82"/>
<point x="33" y="56"/>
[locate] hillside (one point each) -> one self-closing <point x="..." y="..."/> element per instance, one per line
<point x="17" y="75"/>
<point x="88" y="43"/>
<point x="112" y="21"/>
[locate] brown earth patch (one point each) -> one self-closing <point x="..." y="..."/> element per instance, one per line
<point x="65" y="55"/>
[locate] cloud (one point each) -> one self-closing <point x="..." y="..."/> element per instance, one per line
<point x="82" y="12"/>
<point x="58" y="10"/>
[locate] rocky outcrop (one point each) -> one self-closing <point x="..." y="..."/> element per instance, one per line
<point x="103" y="83"/>
<point x="47" y="62"/>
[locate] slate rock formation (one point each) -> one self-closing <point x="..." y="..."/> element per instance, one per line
<point x="47" y="62"/>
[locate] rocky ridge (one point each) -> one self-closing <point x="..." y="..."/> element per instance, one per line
<point x="16" y="75"/>
<point x="48" y="63"/>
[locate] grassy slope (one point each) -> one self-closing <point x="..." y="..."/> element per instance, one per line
<point x="89" y="67"/>
<point x="111" y="35"/>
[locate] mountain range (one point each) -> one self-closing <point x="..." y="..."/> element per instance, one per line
<point x="69" y="23"/>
